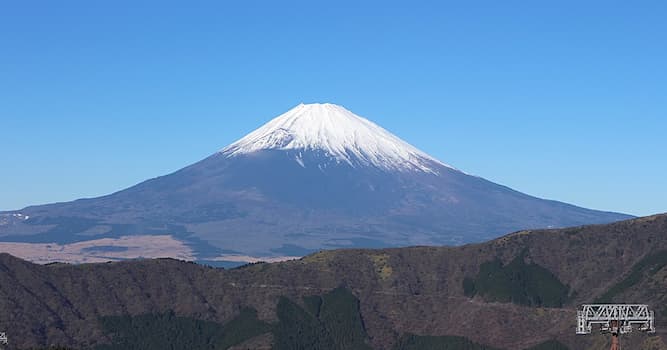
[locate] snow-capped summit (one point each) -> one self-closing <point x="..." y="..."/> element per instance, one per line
<point x="339" y="134"/>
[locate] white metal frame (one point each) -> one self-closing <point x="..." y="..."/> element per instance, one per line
<point x="627" y="315"/>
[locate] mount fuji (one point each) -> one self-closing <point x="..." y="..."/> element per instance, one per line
<point x="315" y="177"/>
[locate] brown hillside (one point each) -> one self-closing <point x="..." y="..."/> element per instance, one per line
<point x="417" y="290"/>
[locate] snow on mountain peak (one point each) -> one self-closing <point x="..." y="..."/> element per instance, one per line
<point x="340" y="134"/>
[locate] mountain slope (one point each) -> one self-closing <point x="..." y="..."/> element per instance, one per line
<point x="400" y="291"/>
<point x="315" y="177"/>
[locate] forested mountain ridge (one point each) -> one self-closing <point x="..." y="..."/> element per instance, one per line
<point x="491" y="293"/>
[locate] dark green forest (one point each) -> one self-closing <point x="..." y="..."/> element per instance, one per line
<point x="331" y="321"/>
<point x="549" y="345"/>
<point x="517" y="282"/>
<point x="328" y="322"/>
<point x="168" y="331"/>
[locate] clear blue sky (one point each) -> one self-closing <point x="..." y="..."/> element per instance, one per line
<point x="564" y="100"/>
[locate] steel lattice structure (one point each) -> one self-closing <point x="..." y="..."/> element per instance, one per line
<point x="615" y="318"/>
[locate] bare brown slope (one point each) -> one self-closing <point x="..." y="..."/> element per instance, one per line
<point x="417" y="290"/>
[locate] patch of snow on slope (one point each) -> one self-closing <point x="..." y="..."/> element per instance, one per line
<point x="340" y="134"/>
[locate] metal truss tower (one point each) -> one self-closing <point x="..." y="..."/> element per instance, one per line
<point x="615" y="319"/>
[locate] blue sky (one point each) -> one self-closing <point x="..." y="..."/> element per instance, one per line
<point x="564" y="100"/>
